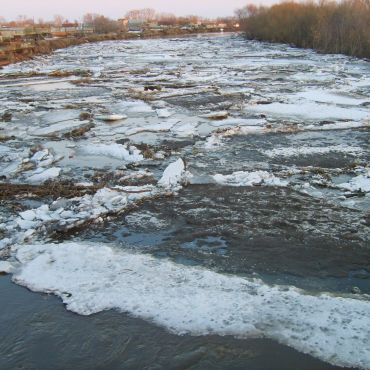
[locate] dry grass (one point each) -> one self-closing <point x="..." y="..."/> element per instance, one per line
<point x="78" y="132"/>
<point x="51" y="189"/>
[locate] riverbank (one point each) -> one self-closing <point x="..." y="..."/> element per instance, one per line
<point x="18" y="52"/>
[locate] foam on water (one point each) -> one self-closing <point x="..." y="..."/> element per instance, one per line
<point x="93" y="277"/>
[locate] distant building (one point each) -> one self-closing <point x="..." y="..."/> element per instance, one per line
<point x="152" y="24"/>
<point x="9" y="33"/>
<point x="69" y="27"/>
<point x="87" y="28"/>
<point x="72" y="29"/>
<point x="24" y="33"/>
<point x="135" y="26"/>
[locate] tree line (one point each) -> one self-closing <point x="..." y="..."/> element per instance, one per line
<point x="327" y="26"/>
<point x="103" y="24"/>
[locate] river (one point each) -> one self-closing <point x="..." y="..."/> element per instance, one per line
<point x="200" y="202"/>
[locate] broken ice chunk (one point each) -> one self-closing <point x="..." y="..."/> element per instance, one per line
<point x="173" y="175"/>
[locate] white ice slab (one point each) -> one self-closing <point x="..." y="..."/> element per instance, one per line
<point x="242" y="178"/>
<point x="128" y="154"/>
<point x="93" y="277"/>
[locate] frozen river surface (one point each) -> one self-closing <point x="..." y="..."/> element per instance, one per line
<point x="199" y="202"/>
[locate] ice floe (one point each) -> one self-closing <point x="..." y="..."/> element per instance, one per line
<point x="308" y="150"/>
<point x="151" y="127"/>
<point x="64" y="214"/>
<point x="67" y="213"/>
<point x="164" y="113"/>
<point x="310" y="111"/>
<point x="338" y="126"/>
<point x="253" y="178"/>
<point x="91" y="278"/>
<point x="6" y="267"/>
<point x="112" y="117"/>
<point x="330" y="96"/>
<point x="216" y="115"/>
<point x="11" y="160"/>
<point x="128" y="154"/>
<point x="59" y="128"/>
<point x="43" y="158"/>
<point x="137" y="107"/>
<point x="358" y="183"/>
<point x="173" y="175"/>
<point x="41" y="175"/>
<point x="213" y="141"/>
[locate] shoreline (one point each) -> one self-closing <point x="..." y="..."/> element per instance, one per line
<point x="45" y="47"/>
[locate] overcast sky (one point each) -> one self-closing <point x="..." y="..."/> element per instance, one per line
<point x="74" y="9"/>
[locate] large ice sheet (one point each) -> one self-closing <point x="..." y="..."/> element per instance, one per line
<point x="312" y="150"/>
<point x="310" y="111"/>
<point x="93" y="277"/>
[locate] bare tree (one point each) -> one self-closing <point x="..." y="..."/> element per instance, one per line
<point x="23" y="21"/>
<point x="89" y="18"/>
<point x="105" y="25"/>
<point x="166" y="19"/>
<point x="142" y="15"/>
<point x="58" y="20"/>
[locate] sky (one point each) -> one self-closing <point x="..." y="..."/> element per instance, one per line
<point x="74" y="9"/>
